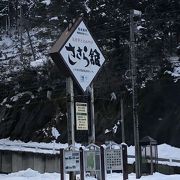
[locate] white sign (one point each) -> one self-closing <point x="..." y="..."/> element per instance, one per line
<point x="72" y="161"/>
<point x="82" y="56"/>
<point x="113" y="159"/>
<point x="81" y="116"/>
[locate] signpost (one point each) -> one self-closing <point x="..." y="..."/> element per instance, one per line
<point x="77" y="55"/>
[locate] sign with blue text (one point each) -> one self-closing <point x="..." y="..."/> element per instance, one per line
<point x="72" y="161"/>
<point x="82" y="55"/>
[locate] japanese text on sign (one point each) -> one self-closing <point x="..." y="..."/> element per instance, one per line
<point x="72" y="161"/>
<point x="81" y="116"/>
<point x="113" y="159"/>
<point x="82" y="56"/>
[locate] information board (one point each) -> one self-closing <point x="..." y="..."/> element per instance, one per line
<point x="81" y="116"/>
<point x="92" y="160"/>
<point x="113" y="159"/>
<point x="72" y="161"/>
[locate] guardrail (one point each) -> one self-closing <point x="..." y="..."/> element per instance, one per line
<point x="28" y="148"/>
<point x="170" y="160"/>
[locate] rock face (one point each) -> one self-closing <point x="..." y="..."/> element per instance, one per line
<point x="159" y="114"/>
<point x="21" y="123"/>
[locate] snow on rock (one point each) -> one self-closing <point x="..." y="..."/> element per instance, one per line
<point x="140" y="27"/>
<point x="37" y="63"/>
<point x="88" y="10"/>
<point x="53" y="18"/>
<point x="175" y="64"/>
<point x="6" y="41"/>
<point x="10" y="51"/>
<point x="47" y="2"/>
<point x="55" y="132"/>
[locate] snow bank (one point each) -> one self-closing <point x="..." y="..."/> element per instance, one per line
<point x="34" y="175"/>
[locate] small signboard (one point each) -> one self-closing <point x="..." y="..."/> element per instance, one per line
<point x="81" y="116"/>
<point x="92" y="160"/>
<point x="77" y="52"/>
<point x="72" y="161"/>
<point x="114" y="159"/>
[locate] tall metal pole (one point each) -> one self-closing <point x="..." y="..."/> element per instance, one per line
<point x="134" y="95"/>
<point x="122" y="120"/>
<point x="70" y="111"/>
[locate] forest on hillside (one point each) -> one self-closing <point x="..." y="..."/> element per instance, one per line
<point x="32" y="89"/>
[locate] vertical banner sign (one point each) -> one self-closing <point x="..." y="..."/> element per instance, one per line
<point x="81" y="116"/>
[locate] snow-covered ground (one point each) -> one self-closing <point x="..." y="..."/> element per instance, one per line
<point x="29" y="174"/>
<point x="165" y="151"/>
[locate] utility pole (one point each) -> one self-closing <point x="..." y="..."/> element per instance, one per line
<point x="134" y="95"/>
<point x="122" y="119"/>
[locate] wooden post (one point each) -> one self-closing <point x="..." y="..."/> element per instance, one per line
<point x="103" y="164"/>
<point x="82" y="169"/>
<point x="70" y="117"/>
<point x="92" y="133"/>
<point x="62" y="165"/>
<point x="151" y="158"/>
<point x="124" y="161"/>
<point x="70" y="111"/>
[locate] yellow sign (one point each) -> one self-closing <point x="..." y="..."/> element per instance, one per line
<point x="81" y="116"/>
